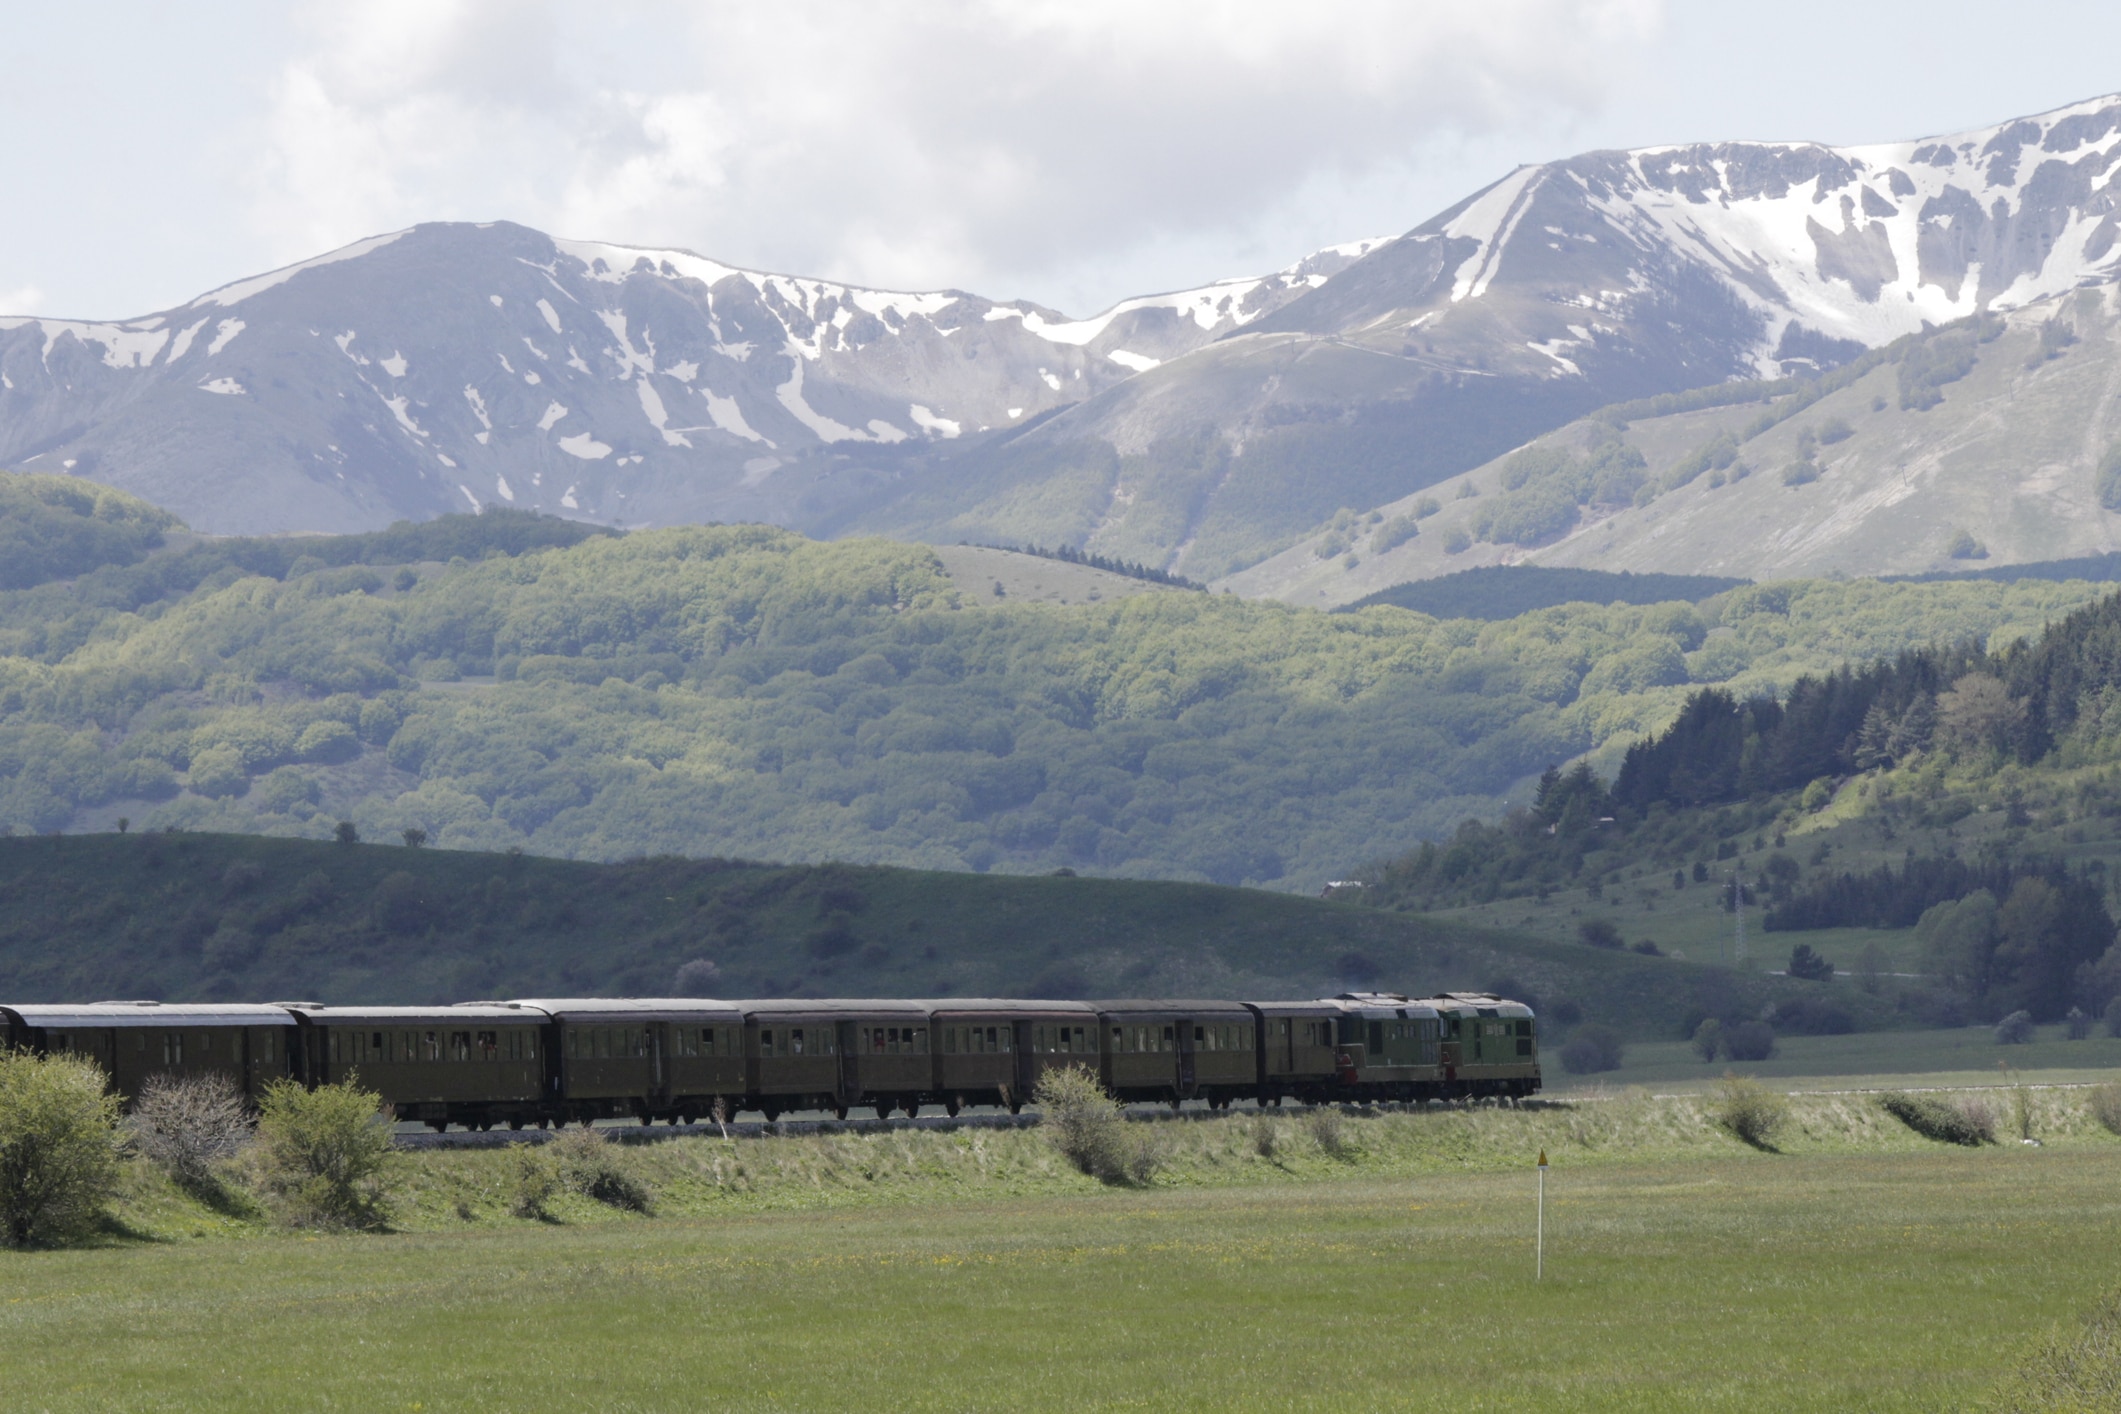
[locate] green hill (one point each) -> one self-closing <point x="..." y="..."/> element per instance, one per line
<point x="192" y="916"/>
<point x="740" y="691"/>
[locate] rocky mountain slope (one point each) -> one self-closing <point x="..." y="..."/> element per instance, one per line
<point x="1609" y="276"/>
<point x="1200" y="432"/>
<point x="453" y="366"/>
<point x="1989" y="442"/>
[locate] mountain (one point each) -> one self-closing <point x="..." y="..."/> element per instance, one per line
<point x="452" y="366"/>
<point x="1564" y="287"/>
<point x="1989" y="442"/>
<point x="1199" y="432"/>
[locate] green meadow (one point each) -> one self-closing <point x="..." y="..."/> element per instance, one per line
<point x="1272" y="1263"/>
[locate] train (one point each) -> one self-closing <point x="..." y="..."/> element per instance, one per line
<point x="552" y="1061"/>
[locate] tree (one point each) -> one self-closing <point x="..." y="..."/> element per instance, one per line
<point x="414" y="837"/>
<point x="1598" y="933"/>
<point x="328" y="1152"/>
<point x="58" y="1147"/>
<point x="1979" y="714"/>
<point x="345" y="833"/>
<point x="1809" y="965"/>
<point x="186" y="1125"/>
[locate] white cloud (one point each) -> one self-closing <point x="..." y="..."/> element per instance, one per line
<point x="909" y="142"/>
<point x="23" y="299"/>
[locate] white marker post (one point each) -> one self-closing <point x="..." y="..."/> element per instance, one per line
<point x="1539" y="1268"/>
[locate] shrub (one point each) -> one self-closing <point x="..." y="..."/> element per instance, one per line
<point x="2106" y="1105"/>
<point x="187" y="1126"/>
<point x="2078" y="1024"/>
<point x="1266" y="1136"/>
<point x="1800" y="473"/>
<point x="327" y="1152"/>
<point x="1393" y="534"/>
<point x="534" y="1181"/>
<point x="697" y="978"/>
<point x="1598" y="933"/>
<point x="1835" y="429"/>
<point x="1749" y="1041"/>
<point x="1456" y="541"/>
<point x="1968" y="1121"/>
<point x="2015" y="1029"/>
<point x="1708" y="1039"/>
<point x="1088" y="1126"/>
<point x="1591" y="1050"/>
<point x="218" y="771"/>
<point x="1426" y="507"/>
<point x="591" y="1165"/>
<point x="58" y="1147"/>
<point x="1328" y="1130"/>
<point x="2068" y="1370"/>
<point x="1964" y="546"/>
<point x="1749" y="1110"/>
<point x="1808" y="965"/>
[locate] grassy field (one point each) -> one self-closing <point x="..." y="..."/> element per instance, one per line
<point x="1860" y="1267"/>
<point x="1960" y="1056"/>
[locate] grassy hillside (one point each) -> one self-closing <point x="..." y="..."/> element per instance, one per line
<point x="742" y="691"/>
<point x="191" y="916"/>
<point x="1983" y="442"/>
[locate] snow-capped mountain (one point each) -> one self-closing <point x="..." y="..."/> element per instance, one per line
<point x="453" y="366"/>
<point x="1559" y="289"/>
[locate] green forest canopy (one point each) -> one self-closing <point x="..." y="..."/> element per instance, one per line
<point x="743" y="691"/>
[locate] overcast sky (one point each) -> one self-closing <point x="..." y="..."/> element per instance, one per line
<point x="1067" y="151"/>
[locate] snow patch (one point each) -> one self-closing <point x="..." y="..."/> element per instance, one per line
<point x="886" y="432"/>
<point x="586" y="447"/>
<point x="658" y="416"/>
<point x="1049" y="380"/>
<point x="684" y="372"/>
<point x="567" y="499"/>
<point x="553" y="413"/>
<point x="1139" y="363"/>
<point x="928" y="422"/>
<point x="224" y="331"/>
<point x="185" y="335"/>
<point x="495" y="300"/>
<point x="500" y="484"/>
<point x="730" y="418"/>
<point x="552" y="316"/>
<point x="469" y="497"/>
<point x="228" y="386"/>
<point x="394" y="365"/>
<point x="478" y="406"/>
<point x="398" y="406"/>
<point x="790" y="394"/>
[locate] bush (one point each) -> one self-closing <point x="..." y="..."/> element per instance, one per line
<point x="591" y="1165"/>
<point x="1708" y="1039"/>
<point x="2079" y="1025"/>
<point x="1969" y="1121"/>
<point x="1266" y="1136"/>
<point x="1089" y="1128"/>
<point x="2015" y="1029"/>
<point x="1749" y="1041"/>
<point x="1329" y="1131"/>
<point x="1598" y="933"/>
<point x="1456" y="541"/>
<point x="2068" y="1370"/>
<point x="1591" y="1050"/>
<point x="1800" y="473"/>
<point x="1393" y="534"/>
<point x="1808" y="965"/>
<point x="697" y="978"/>
<point x="58" y="1147"/>
<point x="2106" y="1105"/>
<point x="187" y="1126"/>
<point x="534" y="1181"/>
<point x="1749" y="1110"/>
<point x="327" y="1152"/>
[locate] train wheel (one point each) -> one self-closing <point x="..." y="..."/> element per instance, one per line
<point x="884" y="1109"/>
<point x="952" y="1105"/>
<point x="1016" y="1107"/>
<point x="839" y="1111"/>
<point x="913" y="1109"/>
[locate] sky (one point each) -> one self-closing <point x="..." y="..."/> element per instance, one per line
<point x="1072" y="152"/>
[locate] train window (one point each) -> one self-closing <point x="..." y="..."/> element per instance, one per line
<point x="489" y="1045"/>
<point x="765" y="1043"/>
<point x="460" y="1045"/>
<point x="172" y="1048"/>
<point x="795" y="1041"/>
<point x="1008" y="1038"/>
<point x="1170" y="1038"/>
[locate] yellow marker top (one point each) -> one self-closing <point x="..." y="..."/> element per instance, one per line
<point x="1542" y="1158"/>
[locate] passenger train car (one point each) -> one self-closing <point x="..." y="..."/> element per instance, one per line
<point x="545" y="1061"/>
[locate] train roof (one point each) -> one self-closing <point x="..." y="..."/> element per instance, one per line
<point x="626" y="1008"/>
<point x="1171" y="1007"/>
<point x="96" y="1015"/>
<point x="850" y="1007"/>
<point x="500" y="1012"/>
<point x="1010" y="1005"/>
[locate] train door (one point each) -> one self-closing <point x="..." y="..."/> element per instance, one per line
<point x="1188" y="1035"/>
<point x="1453" y="1045"/>
<point x="658" y="1061"/>
<point x="1024" y="1071"/>
<point x="850" y="1051"/>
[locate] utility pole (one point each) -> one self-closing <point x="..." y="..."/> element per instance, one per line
<point x="1539" y="1260"/>
<point x="1737" y="916"/>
